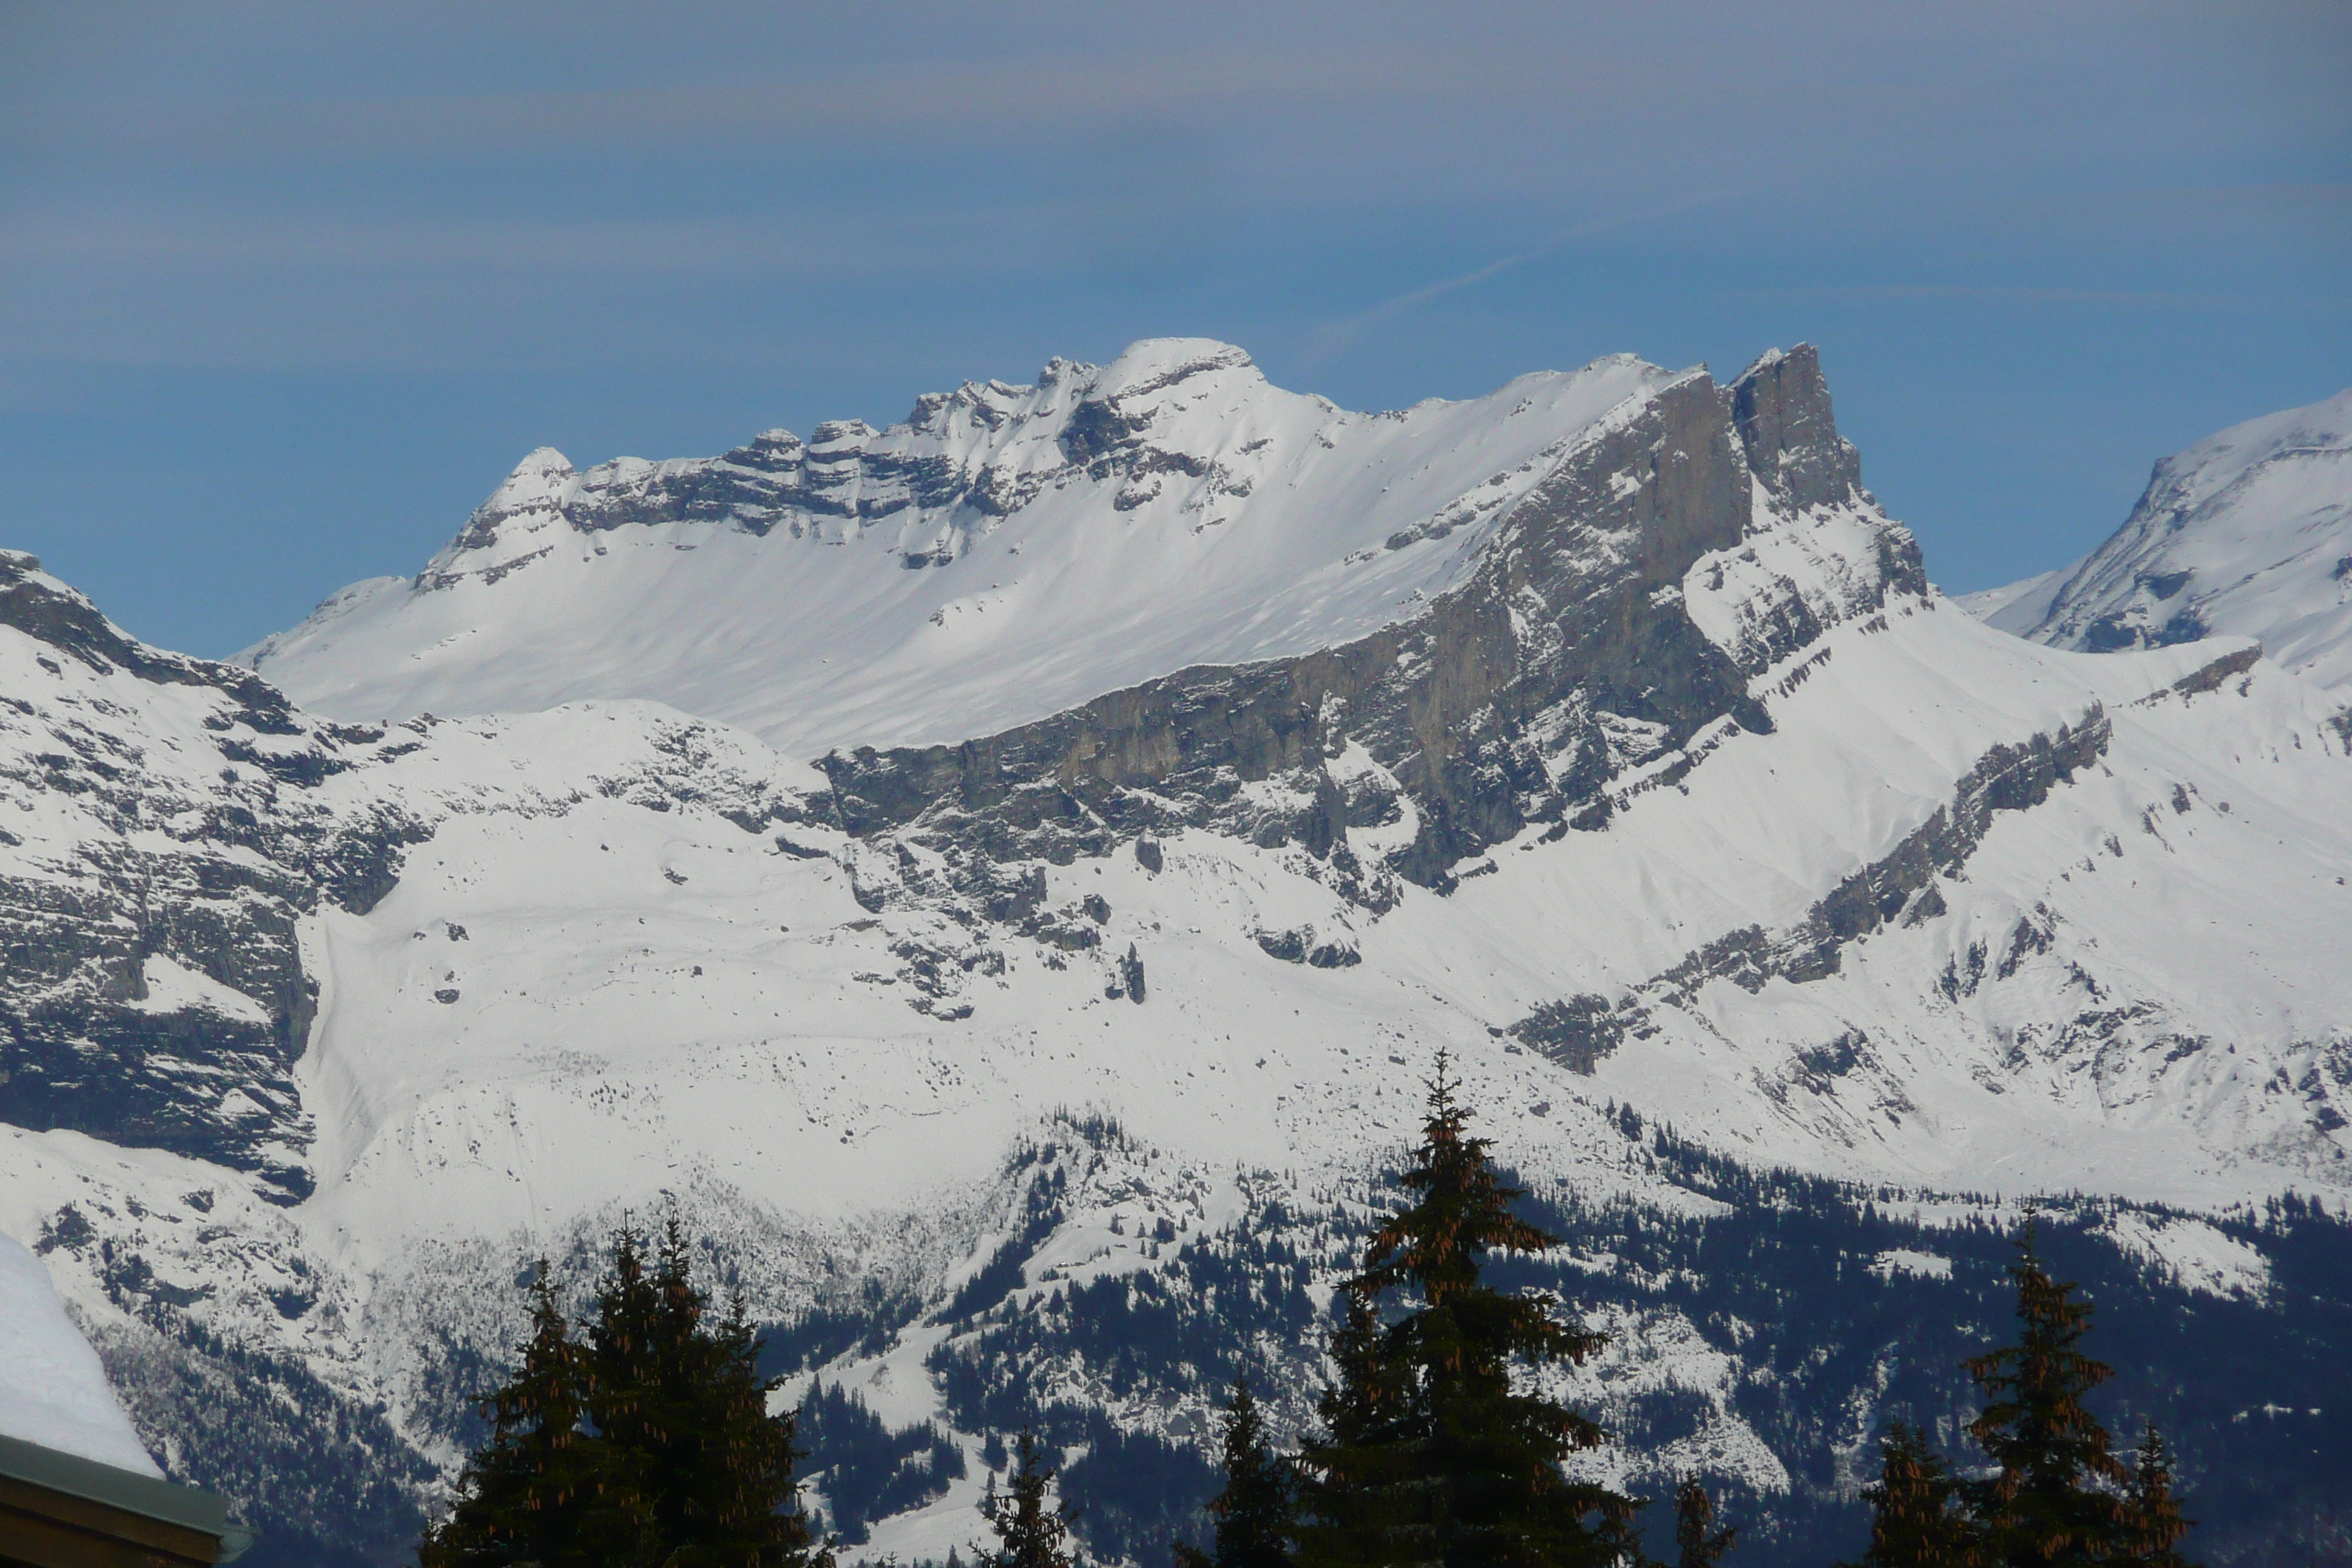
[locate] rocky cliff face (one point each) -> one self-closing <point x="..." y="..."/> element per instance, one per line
<point x="174" y="825"/>
<point x="1514" y="698"/>
<point x="154" y="988"/>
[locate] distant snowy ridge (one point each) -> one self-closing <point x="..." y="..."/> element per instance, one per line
<point x="2246" y="533"/>
<point x="1005" y="553"/>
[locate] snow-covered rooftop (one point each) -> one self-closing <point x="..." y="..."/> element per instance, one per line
<point x="53" y="1391"/>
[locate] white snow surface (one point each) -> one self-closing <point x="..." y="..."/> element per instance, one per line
<point x="2016" y="607"/>
<point x="2197" y="1256"/>
<point x="53" y="1391"/>
<point x="2246" y="533"/>
<point x="1251" y="523"/>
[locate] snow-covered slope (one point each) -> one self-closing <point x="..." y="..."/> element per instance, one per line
<point x="1006" y="552"/>
<point x="1678" y="799"/>
<point x="2247" y="533"/>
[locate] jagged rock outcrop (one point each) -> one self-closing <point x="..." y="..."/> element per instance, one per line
<point x="1494" y="708"/>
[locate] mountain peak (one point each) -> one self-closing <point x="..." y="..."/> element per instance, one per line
<point x="1781" y="407"/>
<point x="2248" y="532"/>
<point x="529" y="498"/>
<point x="542" y="475"/>
<point x="1153" y="364"/>
<point x="1008" y="550"/>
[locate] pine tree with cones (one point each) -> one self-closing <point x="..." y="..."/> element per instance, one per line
<point x="1918" y="1517"/>
<point x="2055" y="1500"/>
<point x="680" y="1401"/>
<point x="647" y="1446"/>
<point x="542" y="1490"/>
<point x="1697" y="1543"/>
<point x="1029" y="1534"/>
<point x="2153" y="1524"/>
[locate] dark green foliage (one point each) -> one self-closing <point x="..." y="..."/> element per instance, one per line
<point x="1427" y="1455"/>
<point x="2153" y="1524"/>
<point x="1256" y="1514"/>
<point x="1003" y="1273"/>
<point x="677" y="1395"/>
<point x="1781" y="1279"/>
<point x="2233" y="1379"/>
<point x="864" y="1323"/>
<point x="1029" y="1534"/>
<point x="2055" y="1499"/>
<point x="1182" y="1330"/>
<point x="1130" y="1493"/>
<point x="870" y="1472"/>
<point x="648" y="1444"/>
<point x="1917" y="1516"/>
<point x="542" y="1490"/>
<point x="1698" y="1543"/>
<point x="2058" y="1496"/>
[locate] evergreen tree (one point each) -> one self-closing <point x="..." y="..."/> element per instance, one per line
<point x="1028" y="1533"/>
<point x="2057" y="1499"/>
<point x="1427" y="1456"/>
<point x="542" y="1490"/>
<point x="683" y="1410"/>
<point x="2153" y="1524"/>
<point x="1698" y="1545"/>
<point x="1918" y="1517"/>
<point x="1256" y="1514"/>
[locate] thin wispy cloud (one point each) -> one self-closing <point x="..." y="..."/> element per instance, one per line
<point x="1335" y="337"/>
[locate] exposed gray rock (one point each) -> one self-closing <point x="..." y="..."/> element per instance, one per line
<point x="1573" y="616"/>
<point x="1781" y="407"/>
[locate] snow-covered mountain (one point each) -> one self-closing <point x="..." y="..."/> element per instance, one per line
<point x="1026" y="1054"/>
<point x="1005" y="553"/>
<point x="2247" y="533"/>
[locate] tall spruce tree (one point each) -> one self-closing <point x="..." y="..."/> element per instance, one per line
<point x="1028" y="1533"/>
<point x="1918" y="1517"/>
<point x="2056" y="1500"/>
<point x="650" y="1446"/>
<point x="542" y="1490"/>
<point x="2153" y="1523"/>
<point x="681" y="1404"/>
<point x="1427" y="1456"/>
<point x="1256" y="1513"/>
<point x="1697" y="1543"/>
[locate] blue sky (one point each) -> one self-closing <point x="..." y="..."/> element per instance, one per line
<point x="285" y="290"/>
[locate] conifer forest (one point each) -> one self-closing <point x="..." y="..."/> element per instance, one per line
<point x="653" y="1427"/>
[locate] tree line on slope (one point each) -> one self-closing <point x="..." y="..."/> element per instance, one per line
<point x="649" y="1442"/>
